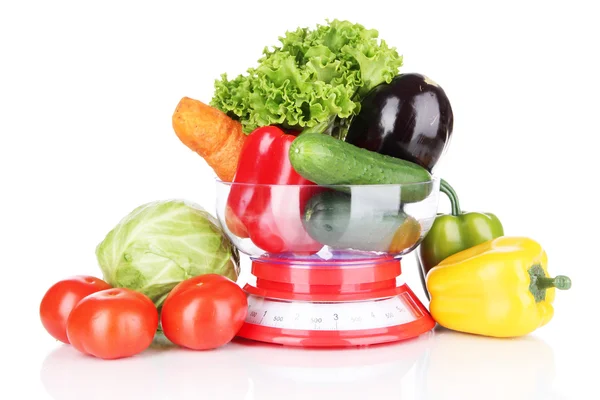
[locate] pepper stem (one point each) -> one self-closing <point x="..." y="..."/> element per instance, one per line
<point x="540" y="282"/>
<point x="560" y="282"/>
<point x="452" y="196"/>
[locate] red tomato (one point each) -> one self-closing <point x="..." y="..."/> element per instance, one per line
<point x="61" y="298"/>
<point x="204" y="312"/>
<point x="113" y="323"/>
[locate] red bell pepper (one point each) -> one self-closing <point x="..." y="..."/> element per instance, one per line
<point x="271" y="216"/>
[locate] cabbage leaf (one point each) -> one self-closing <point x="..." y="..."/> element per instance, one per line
<point x="162" y="243"/>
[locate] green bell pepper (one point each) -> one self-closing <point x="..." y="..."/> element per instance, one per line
<point x="453" y="233"/>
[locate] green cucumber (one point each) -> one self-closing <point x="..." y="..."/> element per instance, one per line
<point x="325" y="160"/>
<point x="342" y="221"/>
<point x="327" y="216"/>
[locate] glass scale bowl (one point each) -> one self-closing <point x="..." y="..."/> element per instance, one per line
<point x="327" y="260"/>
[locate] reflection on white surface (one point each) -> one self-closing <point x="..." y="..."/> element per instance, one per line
<point x="356" y="373"/>
<point x="466" y="367"/>
<point x="440" y="365"/>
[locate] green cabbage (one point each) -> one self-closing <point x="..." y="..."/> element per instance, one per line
<point x="162" y="243"/>
<point x="315" y="79"/>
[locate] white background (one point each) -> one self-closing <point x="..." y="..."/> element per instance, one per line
<point x="87" y="90"/>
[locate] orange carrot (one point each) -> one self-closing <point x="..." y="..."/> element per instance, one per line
<point x="210" y="133"/>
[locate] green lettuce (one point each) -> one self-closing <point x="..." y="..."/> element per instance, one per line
<point x="313" y="81"/>
<point x="159" y="244"/>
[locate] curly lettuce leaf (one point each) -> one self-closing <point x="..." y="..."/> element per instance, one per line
<point x="312" y="79"/>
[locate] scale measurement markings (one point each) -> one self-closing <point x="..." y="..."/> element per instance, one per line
<point x="330" y="316"/>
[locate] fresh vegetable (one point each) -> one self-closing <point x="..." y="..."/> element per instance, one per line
<point x="212" y="134"/>
<point x="326" y="160"/>
<point x="314" y="81"/>
<point x="409" y="118"/>
<point x="204" y="312"/>
<point x="271" y="217"/>
<point x="113" y="323"/>
<point x="61" y="298"/>
<point x="328" y="218"/>
<point x="498" y="288"/>
<point x="162" y="243"/>
<point x="452" y="233"/>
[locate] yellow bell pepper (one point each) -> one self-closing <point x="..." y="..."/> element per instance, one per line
<point x="499" y="288"/>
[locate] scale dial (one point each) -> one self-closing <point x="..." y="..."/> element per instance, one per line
<point x="332" y="316"/>
<point x="336" y="324"/>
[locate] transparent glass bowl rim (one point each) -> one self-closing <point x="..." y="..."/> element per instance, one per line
<point x="433" y="180"/>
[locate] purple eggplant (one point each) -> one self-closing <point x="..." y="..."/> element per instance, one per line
<point x="409" y="118"/>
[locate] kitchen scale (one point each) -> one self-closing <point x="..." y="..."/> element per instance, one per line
<point x="345" y="288"/>
<point x="350" y="300"/>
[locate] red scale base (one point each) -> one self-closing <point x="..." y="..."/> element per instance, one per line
<point x="317" y="303"/>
